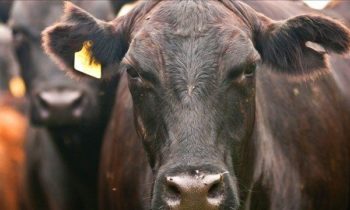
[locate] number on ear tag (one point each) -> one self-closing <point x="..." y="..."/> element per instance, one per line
<point x="85" y="63"/>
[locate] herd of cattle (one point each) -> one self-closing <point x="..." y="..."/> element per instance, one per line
<point x="201" y="105"/>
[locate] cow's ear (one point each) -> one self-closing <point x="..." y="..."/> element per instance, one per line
<point x="107" y="42"/>
<point x="284" y="45"/>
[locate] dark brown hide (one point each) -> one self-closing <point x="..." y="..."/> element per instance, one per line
<point x="132" y="179"/>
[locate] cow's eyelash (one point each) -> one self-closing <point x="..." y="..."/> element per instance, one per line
<point x="247" y="68"/>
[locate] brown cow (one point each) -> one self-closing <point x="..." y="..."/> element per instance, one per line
<point x="13" y="127"/>
<point x="234" y="110"/>
<point x="13" y="124"/>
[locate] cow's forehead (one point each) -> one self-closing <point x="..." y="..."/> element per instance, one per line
<point x="194" y="49"/>
<point x="192" y="16"/>
<point x="200" y="32"/>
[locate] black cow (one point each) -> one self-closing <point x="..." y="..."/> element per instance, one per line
<point x="68" y="118"/>
<point x="234" y="109"/>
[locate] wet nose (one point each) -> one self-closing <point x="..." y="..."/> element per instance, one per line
<point x="201" y="191"/>
<point x="60" y="99"/>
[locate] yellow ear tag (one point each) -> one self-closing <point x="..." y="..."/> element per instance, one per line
<point x="85" y="63"/>
<point x="17" y="87"/>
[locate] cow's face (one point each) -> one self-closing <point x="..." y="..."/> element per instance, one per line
<point x="192" y="78"/>
<point x="55" y="99"/>
<point x="191" y="68"/>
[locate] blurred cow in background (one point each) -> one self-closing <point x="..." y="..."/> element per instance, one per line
<point x="13" y="123"/>
<point x="7" y="63"/>
<point x="9" y="67"/>
<point x="68" y="118"/>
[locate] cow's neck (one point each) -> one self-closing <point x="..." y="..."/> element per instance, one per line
<point x="284" y="140"/>
<point x="270" y="177"/>
<point x="80" y="145"/>
<point x="80" y="149"/>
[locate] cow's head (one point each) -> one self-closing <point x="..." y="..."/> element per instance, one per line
<point x="55" y="98"/>
<point x="191" y="69"/>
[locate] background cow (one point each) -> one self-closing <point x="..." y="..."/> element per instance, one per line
<point x="68" y="118"/>
<point x="233" y="109"/>
<point x="13" y="125"/>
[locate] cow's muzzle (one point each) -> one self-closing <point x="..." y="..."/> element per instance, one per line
<point x="58" y="106"/>
<point x="195" y="190"/>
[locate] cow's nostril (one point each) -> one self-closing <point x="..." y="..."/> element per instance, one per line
<point x="43" y="103"/>
<point x="173" y="192"/>
<point x="77" y="102"/>
<point x="216" y="190"/>
<point x="198" y="190"/>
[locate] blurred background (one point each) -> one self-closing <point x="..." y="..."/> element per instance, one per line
<point x="317" y="4"/>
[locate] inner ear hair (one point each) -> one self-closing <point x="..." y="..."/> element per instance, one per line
<point x="317" y="47"/>
<point x="330" y="33"/>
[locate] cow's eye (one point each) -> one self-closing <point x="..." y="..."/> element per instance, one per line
<point x="249" y="70"/>
<point x="234" y="74"/>
<point x="133" y="74"/>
